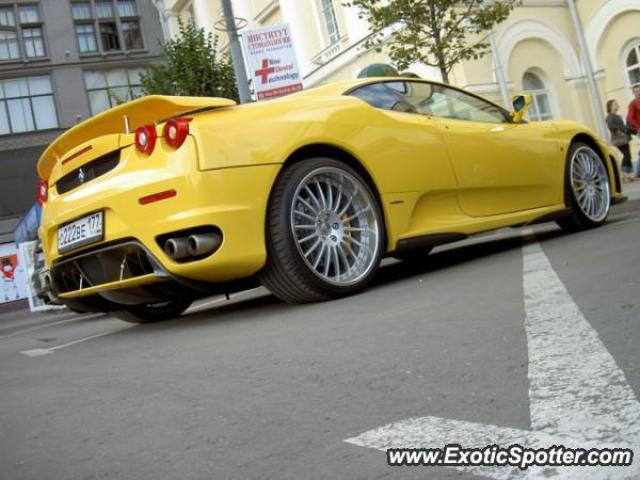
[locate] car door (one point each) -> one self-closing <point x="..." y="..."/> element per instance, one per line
<point x="409" y="152"/>
<point x="500" y="166"/>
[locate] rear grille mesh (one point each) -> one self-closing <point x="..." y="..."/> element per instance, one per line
<point x="92" y="170"/>
<point x="119" y="262"/>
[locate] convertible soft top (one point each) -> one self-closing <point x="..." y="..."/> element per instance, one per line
<point x="145" y="110"/>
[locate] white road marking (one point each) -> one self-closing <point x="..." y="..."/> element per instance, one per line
<point x="40" y="327"/>
<point x="579" y="396"/>
<point x="205" y="305"/>
<point x="38" y="352"/>
<point x="575" y="385"/>
<point x="209" y="303"/>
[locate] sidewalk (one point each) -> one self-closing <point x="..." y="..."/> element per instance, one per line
<point x="632" y="190"/>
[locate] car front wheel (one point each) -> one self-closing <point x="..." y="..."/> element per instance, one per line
<point x="324" y="232"/>
<point x="587" y="189"/>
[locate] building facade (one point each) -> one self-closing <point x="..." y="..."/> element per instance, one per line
<point x="537" y="46"/>
<point x="62" y="61"/>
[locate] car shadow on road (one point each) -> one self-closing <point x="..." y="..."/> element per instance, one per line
<point x="458" y="254"/>
<point x="235" y="310"/>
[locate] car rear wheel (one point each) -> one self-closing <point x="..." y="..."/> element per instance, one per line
<point x="153" y="312"/>
<point x="324" y="232"/>
<point x="587" y="189"/>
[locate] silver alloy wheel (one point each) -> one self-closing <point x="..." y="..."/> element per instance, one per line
<point x="335" y="226"/>
<point x="590" y="184"/>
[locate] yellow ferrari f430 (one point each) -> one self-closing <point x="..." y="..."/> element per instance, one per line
<point x="162" y="200"/>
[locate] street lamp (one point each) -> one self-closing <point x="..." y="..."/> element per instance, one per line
<point x="593" y="86"/>
<point x="236" y="52"/>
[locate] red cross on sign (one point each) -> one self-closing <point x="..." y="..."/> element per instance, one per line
<point x="265" y="71"/>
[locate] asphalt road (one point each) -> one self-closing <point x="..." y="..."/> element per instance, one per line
<point x="253" y="388"/>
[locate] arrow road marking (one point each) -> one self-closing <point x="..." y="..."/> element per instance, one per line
<point x="578" y="395"/>
<point x="575" y="385"/>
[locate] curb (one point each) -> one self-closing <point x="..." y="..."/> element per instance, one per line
<point x="629" y="205"/>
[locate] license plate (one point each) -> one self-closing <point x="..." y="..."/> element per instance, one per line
<point x="81" y="232"/>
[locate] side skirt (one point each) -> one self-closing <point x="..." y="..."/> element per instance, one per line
<point x="424" y="241"/>
<point x="548" y="217"/>
<point x="435" y="239"/>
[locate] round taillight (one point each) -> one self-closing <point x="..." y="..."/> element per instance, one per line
<point x="42" y="191"/>
<point x="175" y="131"/>
<point x="146" y="138"/>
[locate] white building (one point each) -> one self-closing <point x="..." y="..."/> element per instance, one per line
<point x="538" y="47"/>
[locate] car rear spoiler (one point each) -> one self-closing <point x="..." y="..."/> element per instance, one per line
<point x="124" y="119"/>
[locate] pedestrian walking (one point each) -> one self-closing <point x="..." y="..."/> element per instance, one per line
<point x="633" y="118"/>
<point x="620" y="138"/>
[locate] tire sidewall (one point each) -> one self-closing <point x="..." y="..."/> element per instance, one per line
<point x="292" y="177"/>
<point x="578" y="217"/>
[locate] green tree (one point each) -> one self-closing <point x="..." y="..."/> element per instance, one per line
<point x="434" y="32"/>
<point x="192" y="67"/>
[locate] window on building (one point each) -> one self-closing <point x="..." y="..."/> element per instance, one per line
<point x="26" y="104"/>
<point x="104" y="9"/>
<point x="32" y="37"/>
<point x="81" y="10"/>
<point x="127" y="8"/>
<point x="541" y="108"/>
<point x="29" y="14"/>
<point x="21" y="24"/>
<point x="7" y="17"/>
<point x="107" y="25"/>
<point x="328" y="16"/>
<point x="33" y="42"/>
<point x="131" y="34"/>
<point x="633" y="65"/>
<point x="108" y="88"/>
<point x="109" y="36"/>
<point x="86" y="34"/>
<point x="9" y="46"/>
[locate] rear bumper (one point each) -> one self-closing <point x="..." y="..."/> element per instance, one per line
<point x="234" y="200"/>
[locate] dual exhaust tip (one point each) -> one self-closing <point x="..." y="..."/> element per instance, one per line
<point x="194" y="246"/>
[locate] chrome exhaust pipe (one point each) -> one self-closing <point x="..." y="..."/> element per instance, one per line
<point x="203" y="243"/>
<point x="177" y="248"/>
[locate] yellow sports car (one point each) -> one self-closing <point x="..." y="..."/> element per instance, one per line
<point x="157" y="202"/>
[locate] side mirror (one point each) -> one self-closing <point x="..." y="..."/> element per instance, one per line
<point x="521" y="104"/>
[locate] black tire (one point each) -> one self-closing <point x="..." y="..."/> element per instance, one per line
<point x="153" y="312"/>
<point x="577" y="218"/>
<point x="414" y="256"/>
<point x="286" y="274"/>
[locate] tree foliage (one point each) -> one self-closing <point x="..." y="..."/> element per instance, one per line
<point x="192" y="67"/>
<point x="434" y="32"/>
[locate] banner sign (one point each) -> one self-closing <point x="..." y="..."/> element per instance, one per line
<point x="27" y="229"/>
<point x="272" y="61"/>
<point x="30" y="257"/>
<point x="13" y="281"/>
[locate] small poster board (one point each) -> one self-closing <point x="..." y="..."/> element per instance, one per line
<point x="272" y="61"/>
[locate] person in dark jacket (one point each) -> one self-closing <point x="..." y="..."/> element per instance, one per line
<point x="620" y="138"/>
